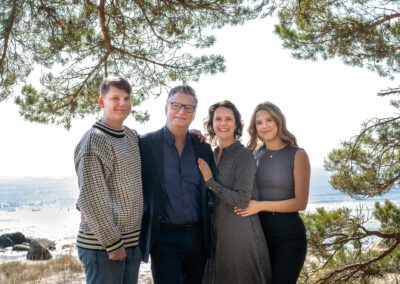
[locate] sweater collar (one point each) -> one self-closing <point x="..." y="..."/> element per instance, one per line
<point x="117" y="133"/>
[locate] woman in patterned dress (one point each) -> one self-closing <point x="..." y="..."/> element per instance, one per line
<point x="240" y="253"/>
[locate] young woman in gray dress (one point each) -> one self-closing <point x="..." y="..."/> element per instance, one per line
<point x="283" y="178"/>
<point x="240" y="253"/>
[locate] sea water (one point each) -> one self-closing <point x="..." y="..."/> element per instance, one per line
<point x="39" y="208"/>
<point x="45" y="208"/>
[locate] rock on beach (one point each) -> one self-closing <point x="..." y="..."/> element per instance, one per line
<point x="38" y="252"/>
<point x="9" y="240"/>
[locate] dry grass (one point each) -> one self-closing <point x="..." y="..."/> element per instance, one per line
<point x="60" y="270"/>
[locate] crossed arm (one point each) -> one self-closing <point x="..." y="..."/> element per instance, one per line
<point x="240" y="194"/>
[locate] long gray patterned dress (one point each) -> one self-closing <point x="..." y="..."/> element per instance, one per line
<point x="240" y="253"/>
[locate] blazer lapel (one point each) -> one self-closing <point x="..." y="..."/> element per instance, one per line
<point x="158" y="157"/>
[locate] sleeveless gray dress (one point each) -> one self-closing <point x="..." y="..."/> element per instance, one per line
<point x="285" y="232"/>
<point x="239" y="250"/>
<point x="274" y="175"/>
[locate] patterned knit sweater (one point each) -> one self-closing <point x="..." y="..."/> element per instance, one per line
<point x="107" y="163"/>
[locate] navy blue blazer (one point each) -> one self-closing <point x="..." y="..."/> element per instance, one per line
<point x="151" y="152"/>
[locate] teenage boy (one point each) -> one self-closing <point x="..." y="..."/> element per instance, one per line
<point x="108" y="166"/>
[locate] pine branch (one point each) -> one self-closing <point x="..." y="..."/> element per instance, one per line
<point x="353" y="268"/>
<point x="8" y="32"/>
<point x="385" y="19"/>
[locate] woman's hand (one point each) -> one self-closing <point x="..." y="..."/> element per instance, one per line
<point x="198" y="135"/>
<point x="204" y="169"/>
<point x="252" y="209"/>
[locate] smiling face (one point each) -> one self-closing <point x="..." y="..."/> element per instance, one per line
<point x="117" y="107"/>
<point x="266" y="126"/>
<point x="224" y="124"/>
<point x="179" y="119"/>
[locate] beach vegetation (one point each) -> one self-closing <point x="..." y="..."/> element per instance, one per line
<point x="63" y="269"/>
<point x="342" y="242"/>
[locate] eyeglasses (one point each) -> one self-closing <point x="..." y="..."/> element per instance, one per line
<point x="187" y="108"/>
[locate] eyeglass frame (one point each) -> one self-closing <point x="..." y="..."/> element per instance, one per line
<point x="182" y="106"/>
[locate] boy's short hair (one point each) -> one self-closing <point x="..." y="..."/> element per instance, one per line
<point x="117" y="82"/>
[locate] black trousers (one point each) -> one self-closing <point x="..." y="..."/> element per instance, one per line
<point x="178" y="255"/>
<point x="287" y="244"/>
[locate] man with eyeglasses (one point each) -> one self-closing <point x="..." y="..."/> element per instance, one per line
<point x="175" y="225"/>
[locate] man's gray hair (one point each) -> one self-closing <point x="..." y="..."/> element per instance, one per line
<point x="185" y="89"/>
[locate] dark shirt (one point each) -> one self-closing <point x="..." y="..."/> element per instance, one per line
<point x="182" y="178"/>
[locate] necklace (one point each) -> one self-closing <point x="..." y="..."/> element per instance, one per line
<point x="271" y="153"/>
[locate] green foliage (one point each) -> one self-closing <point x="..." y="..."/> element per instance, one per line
<point x="389" y="217"/>
<point x="368" y="164"/>
<point x="340" y="246"/>
<point x="360" y="32"/>
<point x="364" y="33"/>
<point x="365" y="166"/>
<point x="78" y="43"/>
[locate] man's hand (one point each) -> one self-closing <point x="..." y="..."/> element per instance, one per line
<point x="119" y="254"/>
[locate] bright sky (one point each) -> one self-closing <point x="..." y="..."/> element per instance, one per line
<point x="324" y="102"/>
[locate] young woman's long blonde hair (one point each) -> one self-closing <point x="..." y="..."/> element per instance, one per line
<point x="255" y="142"/>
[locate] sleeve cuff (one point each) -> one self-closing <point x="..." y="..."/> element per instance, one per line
<point x="211" y="184"/>
<point x="114" y="246"/>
